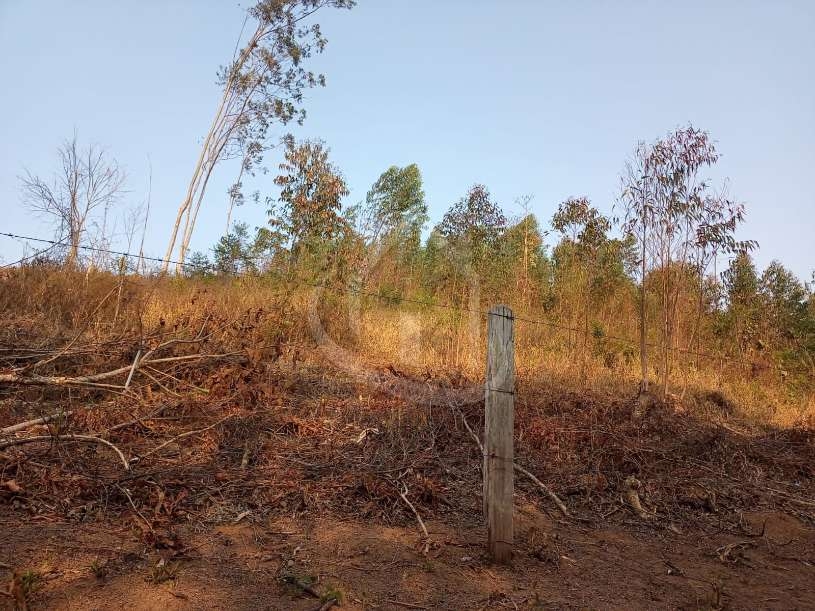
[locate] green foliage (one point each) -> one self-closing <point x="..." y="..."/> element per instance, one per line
<point x="578" y="221"/>
<point x="198" y="265"/>
<point x="310" y="202"/>
<point x="587" y="286"/>
<point x="677" y="221"/>
<point x="473" y="226"/>
<point x="742" y="318"/>
<point x="266" y="80"/>
<point x="395" y="209"/>
<point x="233" y="254"/>
<point x="785" y="301"/>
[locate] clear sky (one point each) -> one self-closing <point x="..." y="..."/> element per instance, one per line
<point x="527" y="97"/>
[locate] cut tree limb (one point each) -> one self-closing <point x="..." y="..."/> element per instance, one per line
<point x="555" y="499"/>
<point x="93" y="380"/>
<point x="77" y="438"/>
<point x="403" y="494"/>
<point x="21" y="426"/>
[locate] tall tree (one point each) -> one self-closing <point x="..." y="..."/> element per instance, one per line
<point x="583" y="230"/>
<point x="87" y="182"/>
<point x="392" y="219"/>
<point x="526" y="254"/>
<point x="395" y="209"/>
<point x="678" y="222"/>
<point x="311" y="192"/>
<point x="263" y="85"/>
<point x="792" y="327"/>
<point x="743" y="315"/>
<point x="473" y="226"/>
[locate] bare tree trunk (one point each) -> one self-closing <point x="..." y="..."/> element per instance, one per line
<point x="185" y="242"/>
<point x="142" y="264"/>
<point x="666" y="325"/>
<point x="184" y="208"/>
<point x="643" y="343"/>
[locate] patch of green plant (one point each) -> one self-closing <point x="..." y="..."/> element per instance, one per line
<point x="30" y="581"/>
<point x="99" y="569"/>
<point x="333" y="593"/>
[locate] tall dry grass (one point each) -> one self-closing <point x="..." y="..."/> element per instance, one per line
<point x="45" y="307"/>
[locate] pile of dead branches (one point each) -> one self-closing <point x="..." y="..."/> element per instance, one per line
<point x="189" y="427"/>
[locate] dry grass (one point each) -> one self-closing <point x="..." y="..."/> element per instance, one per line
<point x="46" y="308"/>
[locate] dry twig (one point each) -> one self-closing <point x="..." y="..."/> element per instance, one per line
<point x="181" y="436"/>
<point x="21" y="426"/>
<point x="403" y="494"/>
<point x="67" y="437"/>
<point x="555" y="499"/>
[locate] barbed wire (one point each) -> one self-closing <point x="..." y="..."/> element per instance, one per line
<point x="36" y="254"/>
<point x="346" y="289"/>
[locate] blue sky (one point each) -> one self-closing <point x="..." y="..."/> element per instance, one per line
<point x="542" y="98"/>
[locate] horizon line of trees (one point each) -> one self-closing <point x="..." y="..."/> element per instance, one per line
<point x="648" y="271"/>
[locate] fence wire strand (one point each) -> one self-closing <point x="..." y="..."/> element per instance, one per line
<point x="346" y="289"/>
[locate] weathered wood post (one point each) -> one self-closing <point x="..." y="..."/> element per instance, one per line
<point x="499" y="405"/>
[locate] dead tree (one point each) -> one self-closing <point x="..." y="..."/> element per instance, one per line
<point x="86" y="182"/>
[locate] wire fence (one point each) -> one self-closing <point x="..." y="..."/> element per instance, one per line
<point x="358" y="292"/>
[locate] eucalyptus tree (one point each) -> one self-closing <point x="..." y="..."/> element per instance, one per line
<point x="308" y="211"/>
<point x="390" y="223"/>
<point x="473" y="226"/>
<point x="743" y="314"/>
<point x="262" y="85"/>
<point x="525" y="253"/>
<point x="583" y="231"/>
<point x="678" y="222"/>
<point x="786" y="309"/>
<point x="395" y="210"/>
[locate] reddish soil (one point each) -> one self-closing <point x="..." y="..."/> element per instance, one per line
<point x="557" y="566"/>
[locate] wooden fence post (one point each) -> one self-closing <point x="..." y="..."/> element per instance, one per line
<point x="499" y="418"/>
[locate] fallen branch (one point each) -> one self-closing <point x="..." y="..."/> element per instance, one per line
<point x="403" y="494"/>
<point x="14" y="428"/>
<point x="630" y="487"/>
<point x="93" y="380"/>
<point x="555" y="498"/>
<point x="181" y="436"/>
<point x="132" y="370"/>
<point x="69" y="437"/>
<point x="400" y="603"/>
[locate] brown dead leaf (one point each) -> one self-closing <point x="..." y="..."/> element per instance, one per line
<point x="11" y="486"/>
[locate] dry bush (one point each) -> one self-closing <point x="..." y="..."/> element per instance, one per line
<point x="341" y="416"/>
<point x="45" y="307"/>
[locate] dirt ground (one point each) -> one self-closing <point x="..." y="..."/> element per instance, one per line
<point x="556" y="566"/>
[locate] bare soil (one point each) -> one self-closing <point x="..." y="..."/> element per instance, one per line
<point x="106" y="565"/>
